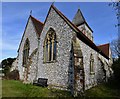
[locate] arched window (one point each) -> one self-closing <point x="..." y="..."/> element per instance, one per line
<point x="26" y="52"/>
<point x="91" y="63"/>
<point x="50" y="45"/>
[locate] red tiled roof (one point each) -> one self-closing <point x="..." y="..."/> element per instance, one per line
<point x="104" y="48"/>
<point x="80" y="35"/>
<point x="38" y="25"/>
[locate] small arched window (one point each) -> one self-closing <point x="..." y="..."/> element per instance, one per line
<point x="26" y="52"/>
<point x="50" y="45"/>
<point x="91" y="63"/>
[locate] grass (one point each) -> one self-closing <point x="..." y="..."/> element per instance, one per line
<point x="12" y="88"/>
<point x="104" y="90"/>
<point x="1" y="71"/>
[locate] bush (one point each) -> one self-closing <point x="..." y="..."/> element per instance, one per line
<point x="13" y="75"/>
<point x="6" y="64"/>
<point x="116" y="70"/>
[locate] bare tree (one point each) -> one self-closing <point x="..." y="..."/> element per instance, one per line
<point x="115" y="46"/>
<point x="116" y="6"/>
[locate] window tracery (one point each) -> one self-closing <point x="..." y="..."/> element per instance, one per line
<point x="91" y="63"/>
<point x="50" y="45"/>
<point x="26" y="52"/>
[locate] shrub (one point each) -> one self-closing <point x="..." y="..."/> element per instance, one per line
<point x="13" y="75"/>
<point x="116" y="70"/>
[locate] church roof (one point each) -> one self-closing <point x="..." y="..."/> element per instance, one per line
<point x="78" y="18"/>
<point x="80" y="35"/>
<point x="104" y="48"/>
<point x="37" y="24"/>
<point x="38" y="27"/>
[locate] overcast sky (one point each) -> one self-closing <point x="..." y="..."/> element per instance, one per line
<point x="100" y="17"/>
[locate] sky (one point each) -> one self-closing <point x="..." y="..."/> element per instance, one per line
<point x="100" y="17"/>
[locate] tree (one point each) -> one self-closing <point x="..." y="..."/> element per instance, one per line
<point x="116" y="69"/>
<point x="116" y="6"/>
<point x="115" y="44"/>
<point x="115" y="47"/>
<point x="6" y="65"/>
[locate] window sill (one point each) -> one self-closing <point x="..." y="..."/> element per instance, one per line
<point x="92" y="73"/>
<point x="24" y="66"/>
<point x="50" y="62"/>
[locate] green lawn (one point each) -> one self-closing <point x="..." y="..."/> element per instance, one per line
<point x="104" y="90"/>
<point x="12" y="88"/>
<point x="1" y="71"/>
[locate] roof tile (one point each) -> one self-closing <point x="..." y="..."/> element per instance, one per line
<point x="38" y="25"/>
<point x="80" y="35"/>
<point x="104" y="48"/>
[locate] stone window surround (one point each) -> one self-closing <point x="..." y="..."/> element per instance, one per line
<point x="26" y="52"/>
<point x="50" y="39"/>
<point x="92" y="65"/>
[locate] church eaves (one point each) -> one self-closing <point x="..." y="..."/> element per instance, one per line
<point x="38" y="25"/>
<point x="80" y="35"/>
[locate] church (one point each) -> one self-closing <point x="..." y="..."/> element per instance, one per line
<point x="63" y="52"/>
